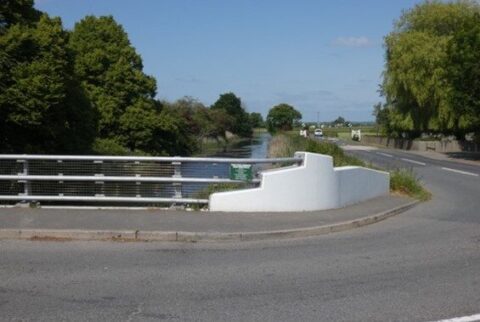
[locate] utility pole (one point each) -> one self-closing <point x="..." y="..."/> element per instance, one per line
<point x="318" y="119"/>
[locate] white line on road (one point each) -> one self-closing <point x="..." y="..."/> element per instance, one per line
<point x="358" y="148"/>
<point x="385" y="154"/>
<point x="413" y="161"/>
<point x="461" y="172"/>
<point x="470" y="318"/>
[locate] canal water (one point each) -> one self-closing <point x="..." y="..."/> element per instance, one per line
<point x="256" y="148"/>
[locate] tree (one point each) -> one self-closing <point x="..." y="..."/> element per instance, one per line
<point x="148" y="127"/>
<point x="339" y="121"/>
<point x="381" y="114"/>
<point x="282" y="117"/>
<point x="17" y="12"/>
<point x="198" y="122"/>
<point x="416" y="79"/>
<point x="232" y="105"/>
<point x="464" y="76"/>
<point x="42" y="107"/>
<point x="256" y="120"/>
<point x="109" y="69"/>
<point x="111" y="72"/>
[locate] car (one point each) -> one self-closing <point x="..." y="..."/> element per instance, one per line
<point x="318" y="132"/>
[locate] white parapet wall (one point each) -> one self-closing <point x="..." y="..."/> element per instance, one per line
<point x="356" y="184"/>
<point x="315" y="185"/>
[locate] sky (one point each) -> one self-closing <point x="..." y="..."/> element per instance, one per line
<point x="325" y="58"/>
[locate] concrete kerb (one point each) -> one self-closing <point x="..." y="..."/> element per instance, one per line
<point x="181" y="236"/>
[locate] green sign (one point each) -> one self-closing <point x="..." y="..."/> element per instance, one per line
<point x="241" y="172"/>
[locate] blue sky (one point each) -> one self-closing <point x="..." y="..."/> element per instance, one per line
<point x="320" y="56"/>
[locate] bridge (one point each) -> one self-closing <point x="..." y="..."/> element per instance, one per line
<point x="303" y="182"/>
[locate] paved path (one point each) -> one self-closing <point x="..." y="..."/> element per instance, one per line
<point x="189" y="221"/>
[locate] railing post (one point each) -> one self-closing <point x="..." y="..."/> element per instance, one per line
<point x="137" y="183"/>
<point x="99" y="183"/>
<point x="27" y="188"/>
<point x="177" y="173"/>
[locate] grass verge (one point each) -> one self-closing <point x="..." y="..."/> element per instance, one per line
<point x="401" y="181"/>
<point x="405" y="182"/>
<point x="284" y="146"/>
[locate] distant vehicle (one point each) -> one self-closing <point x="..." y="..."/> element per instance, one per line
<point x="318" y="132"/>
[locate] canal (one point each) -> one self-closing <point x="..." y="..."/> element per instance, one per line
<point x="255" y="148"/>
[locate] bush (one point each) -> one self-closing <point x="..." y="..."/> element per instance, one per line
<point x="112" y="147"/>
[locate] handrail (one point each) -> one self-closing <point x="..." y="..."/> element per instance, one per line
<point x="97" y="178"/>
<point x="120" y="179"/>
<point x="144" y="158"/>
<point x="104" y="199"/>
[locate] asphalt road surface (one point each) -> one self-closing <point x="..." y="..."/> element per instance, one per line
<point x="423" y="265"/>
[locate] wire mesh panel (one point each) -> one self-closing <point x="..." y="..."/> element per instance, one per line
<point x="11" y="188"/>
<point x="128" y="179"/>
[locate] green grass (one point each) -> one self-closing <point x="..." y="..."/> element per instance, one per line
<point x="405" y="182"/>
<point x="344" y="133"/>
<point x="285" y="145"/>
<point x="401" y="181"/>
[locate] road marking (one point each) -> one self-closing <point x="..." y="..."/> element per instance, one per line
<point x="470" y="318"/>
<point x="385" y="154"/>
<point x="413" y="161"/>
<point x="358" y="148"/>
<point x="461" y="172"/>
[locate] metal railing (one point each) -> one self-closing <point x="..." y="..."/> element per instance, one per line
<point x="111" y="179"/>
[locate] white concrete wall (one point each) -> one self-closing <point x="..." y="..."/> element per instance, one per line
<point x="315" y="185"/>
<point x="356" y="184"/>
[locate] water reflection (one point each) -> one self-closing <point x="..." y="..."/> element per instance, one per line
<point x="256" y="148"/>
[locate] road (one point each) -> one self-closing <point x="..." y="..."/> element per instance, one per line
<point x="423" y="265"/>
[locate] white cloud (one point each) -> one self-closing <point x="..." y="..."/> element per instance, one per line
<point x="352" y="42"/>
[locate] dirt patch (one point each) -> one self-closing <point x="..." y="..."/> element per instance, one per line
<point x="50" y="238"/>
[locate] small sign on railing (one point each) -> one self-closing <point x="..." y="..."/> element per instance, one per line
<point x="241" y="172"/>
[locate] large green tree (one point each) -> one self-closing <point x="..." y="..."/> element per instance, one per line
<point x="282" y="117"/>
<point x="109" y="69"/>
<point x="256" y="120"/>
<point x="200" y="122"/>
<point x="464" y="75"/>
<point x="42" y="107"/>
<point x="232" y="105"/>
<point x="416" y="77"/>
<point x="111" y="72"/>
<point x="17" y="12"/>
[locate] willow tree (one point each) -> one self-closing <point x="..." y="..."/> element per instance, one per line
<point x="416" y="72"/>
<point x="464" y="76"/>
